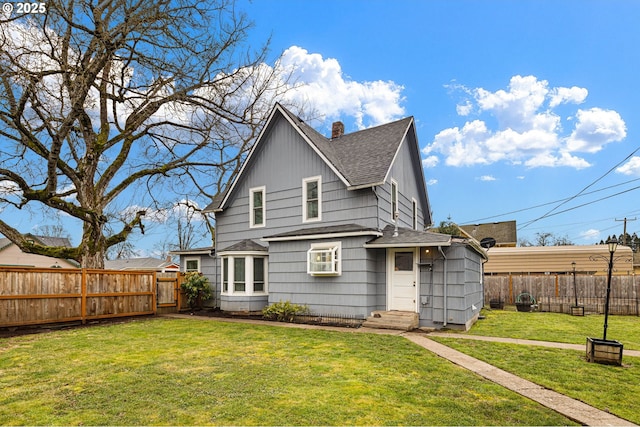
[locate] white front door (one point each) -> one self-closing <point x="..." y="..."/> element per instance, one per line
<point x="402" y="279"/>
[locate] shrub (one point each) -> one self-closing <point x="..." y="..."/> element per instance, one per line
<point x="284" y="311"/>
<point x="196" y="288"/>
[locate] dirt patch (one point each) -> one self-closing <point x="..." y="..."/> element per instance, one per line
<point x="15" y="331"/>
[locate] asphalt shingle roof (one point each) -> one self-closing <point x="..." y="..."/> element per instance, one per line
<point x="363" y="158"/>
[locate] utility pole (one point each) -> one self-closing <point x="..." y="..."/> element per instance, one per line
<point x="624" y="233"/>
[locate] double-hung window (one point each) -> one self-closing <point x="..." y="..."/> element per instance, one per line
<point x="257" y="207"/>
<point x="239" y="283"/>
<point x="324" y="259"/>
<point x="312" y="199"/>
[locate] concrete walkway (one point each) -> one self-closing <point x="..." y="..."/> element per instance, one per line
<point x="571" y="408"/>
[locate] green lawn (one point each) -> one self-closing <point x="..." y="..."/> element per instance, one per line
<point x="611" y="388"/>
<point x="558" y="327"/>
<point x="193" y="371"/>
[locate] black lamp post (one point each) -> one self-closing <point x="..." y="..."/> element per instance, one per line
<point x="613" y="245"/>
<point x="575" y="290"/>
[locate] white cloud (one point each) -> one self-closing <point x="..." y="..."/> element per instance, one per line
<point x="594" y="129"/>
<point x="590" y="235"/>
<point x="9" y="188"/>
<point x="323" y="85"/>
<point x="486" y="178"/>
<point x="632" y="167"/>
<point x="432" y="182"/>
<point x="528" y="130"/>
<point x="429" y="162"/>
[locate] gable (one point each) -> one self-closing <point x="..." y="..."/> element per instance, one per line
<point x="360" y="160"/>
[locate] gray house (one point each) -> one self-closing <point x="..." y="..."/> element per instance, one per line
<point x="337" y="224"/>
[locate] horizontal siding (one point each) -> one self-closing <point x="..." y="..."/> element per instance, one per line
<point x="280" y="163"/>
<point x="356" y="292"/>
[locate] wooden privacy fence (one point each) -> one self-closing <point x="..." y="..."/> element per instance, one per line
<point x="30" y="296"/>
<point x="555" y="292"/>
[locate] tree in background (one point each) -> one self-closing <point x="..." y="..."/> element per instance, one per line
<point x="546" y="239"/>
<point x="109" y="105"/>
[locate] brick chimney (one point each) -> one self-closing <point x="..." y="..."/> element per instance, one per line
<point x="337" y="130"/>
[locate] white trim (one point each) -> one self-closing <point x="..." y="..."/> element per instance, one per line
<point x="394" y="212"/>
<point x="322" y="236"/>
<point x="243" y="253"/>
<point x="252" y="191"/>
<point x="277" y="108"/>
<point x="305" y="181"/>
<point x="334" y="249"/>
<point x="395" y="155"/>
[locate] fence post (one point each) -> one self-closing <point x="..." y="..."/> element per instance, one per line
<point x="154" y="297"/>
<point x="83" y="291"/>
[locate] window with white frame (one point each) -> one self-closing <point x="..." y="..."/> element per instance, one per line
<point x="225" y="275"/>
<point x="414" y="213"/>
<point x="239" y="283"/>
<point x="312" y="199"/>
<point x="394" y="200"/>
<point x="257" y="207"/>
<point x="325" y="259"/>
<point x="244" y="273"/>
<point x="192" y="264"/>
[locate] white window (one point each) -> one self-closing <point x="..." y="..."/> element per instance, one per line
<point x="312" y="199"/>
<point x="239" y="283"/>
<point x="244" y="274"/>
<point x="414" y="213"/>
<point x="394" y="200"/>
<point x="257" y="207"/>
<point x="225" y="275"/>
<point x="192" y="264"/>
<point x="324" y="259"/>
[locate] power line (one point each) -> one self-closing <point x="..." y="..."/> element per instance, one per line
<point x="549" y="213"/>
<point x="550" y="203"/>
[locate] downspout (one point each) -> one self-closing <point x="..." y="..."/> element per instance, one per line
<point x="444" y="281"/>
<point x="215" y="274"/>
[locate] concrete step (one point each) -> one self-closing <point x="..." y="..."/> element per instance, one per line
<point x="397" y="320"/>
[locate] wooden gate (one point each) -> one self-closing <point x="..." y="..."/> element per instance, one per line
<point x="170" y="296"/>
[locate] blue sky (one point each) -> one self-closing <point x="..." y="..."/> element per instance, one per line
<point x="517" y="103"/>
<point x="525" y="110"/>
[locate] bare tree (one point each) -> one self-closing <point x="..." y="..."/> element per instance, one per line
<point x="108" y="108"/>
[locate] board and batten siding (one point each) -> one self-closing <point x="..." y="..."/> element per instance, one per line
<point x="280" y="163"/>
<point x="359" y="290"/>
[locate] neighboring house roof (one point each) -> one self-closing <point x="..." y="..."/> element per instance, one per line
<point x="44" y="241"/>
<point x="590" y="259"/>
<point x="140" y="264"/>
<point x="207" y="250"/>
<point x="360" y="159"/>
<point x="504" y="232"/>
